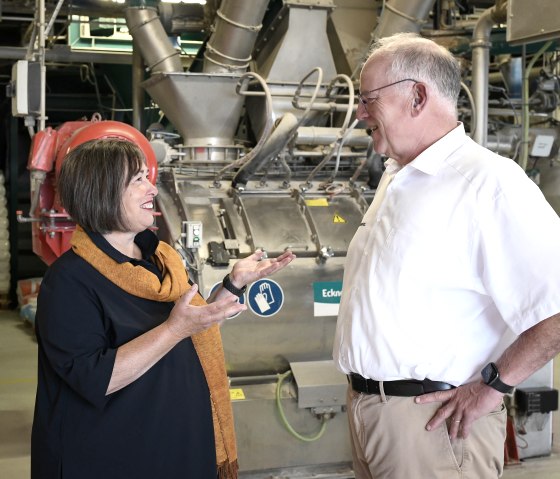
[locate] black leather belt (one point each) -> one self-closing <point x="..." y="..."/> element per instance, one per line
<point x="403" y="387"/>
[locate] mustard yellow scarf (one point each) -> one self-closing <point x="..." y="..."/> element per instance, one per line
<point x="208" y="344"/>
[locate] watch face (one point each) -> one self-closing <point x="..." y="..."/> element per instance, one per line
<point x="489" y="373"/>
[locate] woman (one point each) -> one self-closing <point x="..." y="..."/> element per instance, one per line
<point x="132" y="381"/>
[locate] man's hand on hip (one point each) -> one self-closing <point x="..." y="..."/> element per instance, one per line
<point x="463" y="405"/>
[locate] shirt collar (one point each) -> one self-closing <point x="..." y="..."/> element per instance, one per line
<point x="146" y="240"/>
<point x="392" y="167"/>
<point x="433" y="157"/>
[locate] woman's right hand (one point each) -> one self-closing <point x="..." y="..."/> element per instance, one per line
<point x="186" y="319"/>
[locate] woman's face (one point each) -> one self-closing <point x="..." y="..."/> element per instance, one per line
<point x="138" y="202"/>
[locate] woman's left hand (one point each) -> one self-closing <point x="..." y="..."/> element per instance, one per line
<point x="253" y="268"/>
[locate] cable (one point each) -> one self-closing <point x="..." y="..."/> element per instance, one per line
<point x="288" y="426"/>
<point x="343" y="133"/>
<point x="267" y="127"/>
<point x="340" y="145"/>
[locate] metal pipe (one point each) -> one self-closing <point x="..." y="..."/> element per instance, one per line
<point x="65" y="55"/>
<point x="403" y="16"/>
<point x="322" y="135"/>
<point x="137" y="90"/>
<point x="53" y="17"/>
<point x="235" y="32"/>
<point x="43" y="69"/>
<point x="480" y="65"/>
<point x="502" y="143"/>
<point x="149" y="35"/>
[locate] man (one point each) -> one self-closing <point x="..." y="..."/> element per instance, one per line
<point x="453" y="271"/>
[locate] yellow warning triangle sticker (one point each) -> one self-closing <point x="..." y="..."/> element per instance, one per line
<point x="338" y="219"/>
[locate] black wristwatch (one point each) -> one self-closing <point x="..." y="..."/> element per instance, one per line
<point x="227" y="284"/>
<point x="491" y="377"/>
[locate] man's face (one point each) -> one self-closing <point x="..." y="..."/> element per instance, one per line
<point x="386" y="110"/>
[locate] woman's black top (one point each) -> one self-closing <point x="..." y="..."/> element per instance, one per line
<point x="159" y="426"/>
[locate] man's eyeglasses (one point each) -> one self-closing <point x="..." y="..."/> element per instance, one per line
<point x="364" y="101"/>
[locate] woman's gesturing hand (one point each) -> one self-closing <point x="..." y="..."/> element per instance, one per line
<point x="186" y="319"/>
<point x="254" y="267"/>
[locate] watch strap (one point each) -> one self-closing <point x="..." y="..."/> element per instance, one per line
<point x="227" y="284"/>
<point x="500" y="386"/>
<point x="495" y="382"/>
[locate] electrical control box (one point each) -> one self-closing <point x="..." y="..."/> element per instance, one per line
<point x="192" y="233"/>
<point x="536" y="399"/>
<point x="25" y="88"/>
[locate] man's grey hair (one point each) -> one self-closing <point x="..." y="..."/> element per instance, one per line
<point x="412" y="56"/>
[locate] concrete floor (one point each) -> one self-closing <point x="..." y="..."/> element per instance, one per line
<point x="18" y="351"/>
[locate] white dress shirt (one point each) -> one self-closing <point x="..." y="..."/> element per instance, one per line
<point x="456" y="258"/>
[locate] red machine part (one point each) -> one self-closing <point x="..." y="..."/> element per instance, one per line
<point x="52" y="227"/>
<point x="42" y="153"/>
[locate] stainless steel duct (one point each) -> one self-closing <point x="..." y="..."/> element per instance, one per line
<point x="204" y="108"/>
<point x="235" y="31"/>
<point x="150" y="38"/>
<point x="402" y="16"/>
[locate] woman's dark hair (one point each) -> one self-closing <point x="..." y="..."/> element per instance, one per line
<point x="92" y="181"/>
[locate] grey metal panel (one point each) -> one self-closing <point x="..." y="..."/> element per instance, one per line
<point x="259" y="345"/>
<point x="532" y="21"/>
<point x="235" y="223"/>
<point x="198" y="205"/>
<point x="265" y="445"/>
<point x="336" y="222"/>
<point x="319" y="384"/>
<point x="304" y="45"/>
<point x="403" y="16"/>
<point x="170" y="220"/>
<point x="276" y="223"/>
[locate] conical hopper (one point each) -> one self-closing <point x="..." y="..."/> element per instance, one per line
<point x="204" y="108"/>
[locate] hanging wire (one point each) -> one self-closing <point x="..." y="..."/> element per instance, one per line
<point x="288" y="426"/>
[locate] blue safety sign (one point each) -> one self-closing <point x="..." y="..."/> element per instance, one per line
<point x="265" y="297"/>
<point x="240" y="300"/>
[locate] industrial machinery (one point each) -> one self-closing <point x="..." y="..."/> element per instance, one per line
<point x="258" y="148"/>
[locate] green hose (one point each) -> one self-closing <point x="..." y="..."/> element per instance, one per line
<point x="287" y="425"/>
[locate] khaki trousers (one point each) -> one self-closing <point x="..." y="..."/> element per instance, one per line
<point x="389" y="441"/>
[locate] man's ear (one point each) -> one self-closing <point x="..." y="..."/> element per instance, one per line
<point x="420" y="96"/>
